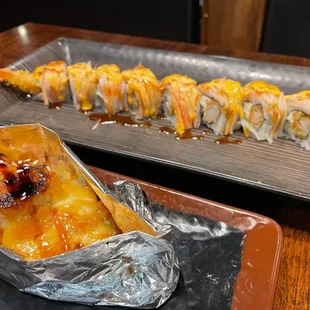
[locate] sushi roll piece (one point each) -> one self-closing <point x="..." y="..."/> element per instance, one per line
<point x="143" y="92"/>
<point x="24" y="80"/>
<point x="83" y="84"/>
<point x="180" y="98"/>
<point x="53" y="82"/>
<point x="111" y="89"/>
<point x="264" y="110"/>
<point x="221" y="105"/>
<point x="297" y="123"/>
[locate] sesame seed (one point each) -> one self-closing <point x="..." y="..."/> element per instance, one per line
<point x="48" y="168"/>
<point x="20" y="162"/>
<point x="96" y="125"/>
<point x="19" y="170"/>
<point x="2" y="161"/>
<point x="26" y="165"/>
<point x="27" y="160"/>
<point x="35" y="162"/>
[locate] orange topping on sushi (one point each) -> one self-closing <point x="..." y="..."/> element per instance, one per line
<point x="260" y="87"/>
<point x="83" y="84"/>
<point x="185" y="80"/>
<point x="233" y="92"/>
<point x="256" y="89"/>
<point x="184" y="100"/>
<point x="54" y="81"/>
<point x="143" y="91"/>
<point x="22" y="79"/>
<point x="112" y="87"/>
<point x="301" y="96"/>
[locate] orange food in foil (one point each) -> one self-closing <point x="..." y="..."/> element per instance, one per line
<point x="47" y="206"/>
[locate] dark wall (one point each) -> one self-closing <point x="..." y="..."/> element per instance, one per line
<point x="287" y="28"/>
<point x="164" y="19"/>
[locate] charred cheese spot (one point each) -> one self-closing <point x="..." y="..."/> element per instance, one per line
<point x="20" y="180"/>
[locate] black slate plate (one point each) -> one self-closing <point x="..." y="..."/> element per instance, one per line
<point x="281" y="167"/>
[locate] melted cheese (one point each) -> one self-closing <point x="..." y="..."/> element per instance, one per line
<point x="230" y="94"/>
<point x="84" y="81"/>
<point x="260" y="87"/>
<point x="111" y="87"/>
<point x="301" y="96"/>
<point x="54" y="82"/>
<point x="143" y="87"/>
<point x="184" y="97"/>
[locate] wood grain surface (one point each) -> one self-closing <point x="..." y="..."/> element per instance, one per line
<point x="233" y="23"/>
<point x="293" y="291"/>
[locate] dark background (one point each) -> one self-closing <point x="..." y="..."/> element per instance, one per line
<point x="177" y="20"/>
<point x="286" y="28"/>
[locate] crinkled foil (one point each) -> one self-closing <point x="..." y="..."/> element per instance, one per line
<point x="132" y="269"/>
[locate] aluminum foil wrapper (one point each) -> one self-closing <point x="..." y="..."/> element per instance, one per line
<point x="132" y="269"/>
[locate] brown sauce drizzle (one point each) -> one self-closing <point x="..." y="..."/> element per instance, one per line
<point x="187" y="135"/>
<point x="166" y="130"/>
<point x="226" y="140"/>
<point x="130" y="270"/>
<point x="127" y="259"/>
<point x="126" y="120"/>
<point x="118" y="119"/>
<point x="56" y="106"/>
<point x="161" y="115"/>
<point x="206" y="132"/>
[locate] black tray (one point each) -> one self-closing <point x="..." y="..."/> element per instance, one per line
<point x="219" y="268"/>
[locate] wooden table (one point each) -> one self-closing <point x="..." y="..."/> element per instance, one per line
<point x="293" y="291"/>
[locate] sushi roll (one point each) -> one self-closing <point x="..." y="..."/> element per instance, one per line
<point x="297" y="123"/>
<point x="111" y="89"/>
<point x="53" y="82"/>
<point x="221" y="105"/>
<point x="22" y="79"/>
<point x="264" y="110"/>
<point x="180" y="98"/>
<point x="83" y="84"/>
<point x="143" y="92"/>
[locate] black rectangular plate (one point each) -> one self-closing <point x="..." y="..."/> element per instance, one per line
<point x="281" y="166"/>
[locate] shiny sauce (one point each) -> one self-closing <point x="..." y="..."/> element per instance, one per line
<point x="206" y="132"/>
<point x="19" y="182"/>
<point x="126" y="120"/>
<point x="188" y="135"/>
<point x="118" y="119"/>
<point x="227" y="140"/>
<point x="56" y="106"/>
<point x="167" y="130"/>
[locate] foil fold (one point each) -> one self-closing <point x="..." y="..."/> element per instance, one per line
<point x="132" y="269"/>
